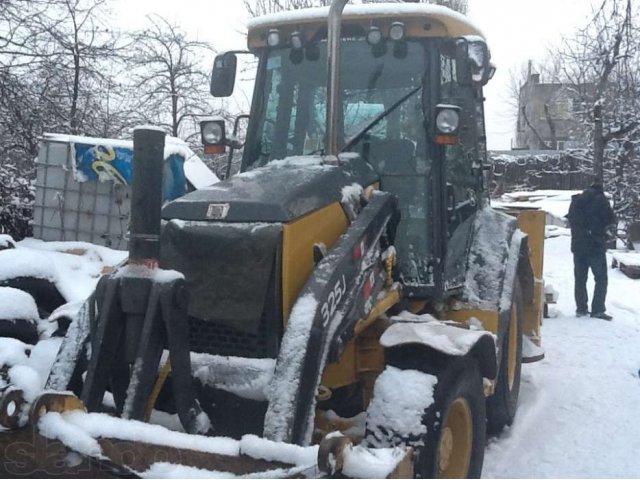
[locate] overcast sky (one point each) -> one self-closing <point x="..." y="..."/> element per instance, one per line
<point x="516" y="30"/>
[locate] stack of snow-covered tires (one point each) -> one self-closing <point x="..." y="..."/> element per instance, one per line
<point x="29" y="296"/>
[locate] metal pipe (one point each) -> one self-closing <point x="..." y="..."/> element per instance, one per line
<point x="333" y="82"/>
<point x="146" y="195"/>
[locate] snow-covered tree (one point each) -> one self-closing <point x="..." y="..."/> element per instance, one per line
<point x="170" y="82"/>
<point x="601" y="64"/>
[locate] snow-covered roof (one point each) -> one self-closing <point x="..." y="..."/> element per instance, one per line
<point x="454" y="23"/>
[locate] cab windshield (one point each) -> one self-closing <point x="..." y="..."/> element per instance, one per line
<point x="382" y="83"/>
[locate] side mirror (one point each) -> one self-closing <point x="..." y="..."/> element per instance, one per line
<point x="223" y="77"/>
<point x="473" y="62"/>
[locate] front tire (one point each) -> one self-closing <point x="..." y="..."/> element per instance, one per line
<point x="452" y="437"/>
<point x="456" y="433"/>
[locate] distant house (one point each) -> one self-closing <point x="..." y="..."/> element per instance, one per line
<point x="546" y="116"/>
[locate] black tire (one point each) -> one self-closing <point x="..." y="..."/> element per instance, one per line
<point x="503" y="404"/>
<point x="459" y="383"/>
<point x="44" y="292"/>
<point x="24" y="330"/>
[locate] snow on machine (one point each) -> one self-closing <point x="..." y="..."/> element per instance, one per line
<point x="349" y="304"/>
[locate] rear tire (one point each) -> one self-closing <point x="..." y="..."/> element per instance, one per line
<point x="503" y="404"/>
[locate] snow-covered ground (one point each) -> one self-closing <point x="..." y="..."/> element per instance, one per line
<point x="579" y="408"/>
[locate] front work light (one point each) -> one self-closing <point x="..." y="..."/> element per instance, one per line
<point x="212" y="133"/>
<point x="447" y="123"/>
<point x="396" y="31"/>
<point x="273" y="37"/>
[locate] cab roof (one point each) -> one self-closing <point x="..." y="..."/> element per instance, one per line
<point x="422" y="20"/>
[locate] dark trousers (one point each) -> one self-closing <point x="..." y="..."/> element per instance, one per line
<point x="597" y="262"/>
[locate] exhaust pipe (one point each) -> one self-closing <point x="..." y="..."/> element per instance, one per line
<point x="146" y="196"/>
<point x="333" y="82"/>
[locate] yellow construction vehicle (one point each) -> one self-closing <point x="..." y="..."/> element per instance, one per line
<point x="352" y="278"/>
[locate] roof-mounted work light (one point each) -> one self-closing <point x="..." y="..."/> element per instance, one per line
<point x="374" y="35"/>
<point x="273" y="37"/>
<point x="396" y="31"/>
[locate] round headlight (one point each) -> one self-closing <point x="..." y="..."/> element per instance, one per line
<point x="448" y="121"/>
<point x="273" y="38"/>
<point x="396" y="32"/>
<point x="374" y="36"/>
<point x="212" y="133"/>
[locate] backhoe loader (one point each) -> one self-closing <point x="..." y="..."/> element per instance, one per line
<point x="350" y="288"/>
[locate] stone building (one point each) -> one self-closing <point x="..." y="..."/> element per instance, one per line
<point x="546" y="116"/>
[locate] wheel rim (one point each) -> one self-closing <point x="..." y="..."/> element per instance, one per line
<point x="454" y="449"/>
<point x="513" y="346"/>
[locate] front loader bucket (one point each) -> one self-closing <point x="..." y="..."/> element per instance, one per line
<point x="62" y="439"/>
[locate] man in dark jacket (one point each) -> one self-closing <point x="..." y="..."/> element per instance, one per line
<point x="590" y="215"/>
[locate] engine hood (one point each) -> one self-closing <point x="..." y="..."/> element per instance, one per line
<point x="279" y="192"/>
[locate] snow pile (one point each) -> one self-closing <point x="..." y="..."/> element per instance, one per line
<point x="360" y="462"/>
<point x="17" y="305"/>
<point x="74" y="267"/>
<point x="395" y="410"/>
<point x="13" y="352"/>
<point x="6" y="242"/>
<point x="92" y="252"/>
<point x="245" y="377"/>
<point x="28" y="366"/>
<point x="445" y="338"/>
<point x="22" y="262"/>
<point x="53" y="426"/>
<point x="352" y="193"/>
<point x="26" y="379"/>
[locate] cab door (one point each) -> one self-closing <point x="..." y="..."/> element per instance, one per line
<point x="463" y="172"/>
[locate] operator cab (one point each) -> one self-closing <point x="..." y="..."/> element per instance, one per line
<point x="411" y="105"/>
